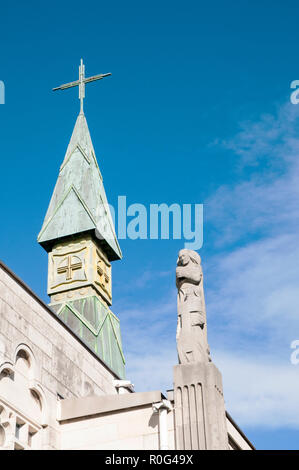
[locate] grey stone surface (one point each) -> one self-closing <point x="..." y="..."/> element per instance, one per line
<point x="199" y="407"/>
<point x="192" y="342"/>
<point x="60" y="364"/>
<point x="198" y="396"/>
<point x="78" y="407"/>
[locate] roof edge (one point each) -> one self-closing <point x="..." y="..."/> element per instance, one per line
<point x="239" y="430"/>
<point x="47" y="245"/>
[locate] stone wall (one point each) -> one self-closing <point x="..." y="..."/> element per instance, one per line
<point x="126" y="422"/>
<point x="55" y="364"/>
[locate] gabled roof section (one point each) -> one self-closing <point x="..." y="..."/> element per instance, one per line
<point x="79" y="203"/>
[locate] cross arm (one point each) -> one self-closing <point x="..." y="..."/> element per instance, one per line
<point x="96" y="77"/>
<point x="67" y="85"/>
<point x="85" y="80"/>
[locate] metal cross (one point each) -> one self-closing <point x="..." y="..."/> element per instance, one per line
<point x="81" y="83"/>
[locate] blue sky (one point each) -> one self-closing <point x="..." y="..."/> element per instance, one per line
<point x="197" y="111"/>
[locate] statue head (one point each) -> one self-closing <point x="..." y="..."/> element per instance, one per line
<point x="185" y="256"/>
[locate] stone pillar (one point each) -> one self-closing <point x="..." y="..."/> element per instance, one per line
<point x="200" y="420"/>
<point x="163" y="407"/>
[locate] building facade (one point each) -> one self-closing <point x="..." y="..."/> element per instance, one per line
<point x="55" y="393"/>
<point x="62" y="367"/>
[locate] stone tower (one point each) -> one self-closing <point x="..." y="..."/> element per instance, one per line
<point x="78" y="234"/>
<point x="198" y="393"/>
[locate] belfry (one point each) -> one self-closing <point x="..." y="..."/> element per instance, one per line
<point x="78" y="234"/>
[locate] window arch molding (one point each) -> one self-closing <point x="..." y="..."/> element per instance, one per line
<point x="6" y="369"/>
<point x="35" y="388"/>
<point x="23" y="350"/>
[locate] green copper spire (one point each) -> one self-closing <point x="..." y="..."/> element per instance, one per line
<point x="79" y="235"/>
<point x="79" y="204"/>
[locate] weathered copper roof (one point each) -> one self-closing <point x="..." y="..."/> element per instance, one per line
<point x="79" y="203"/>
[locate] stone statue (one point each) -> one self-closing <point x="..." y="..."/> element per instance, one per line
<point x="192" y="342"/>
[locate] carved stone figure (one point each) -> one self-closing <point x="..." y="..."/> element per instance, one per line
<point x="192" y="343"/>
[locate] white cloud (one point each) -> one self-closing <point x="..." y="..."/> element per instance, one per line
<point x="253" y="287"/>
<point x="260" y="392"/>
<point x="253" y="290"/>
<point x="152" y="370"/>
<point x="251" y="284"/>
<point x="266" y="202"/>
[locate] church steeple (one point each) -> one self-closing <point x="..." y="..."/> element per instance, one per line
<point x="79" y="204"/>
<point x="79" y="235"/>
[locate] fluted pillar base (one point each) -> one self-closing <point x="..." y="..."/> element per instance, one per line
<point x="200" y="420"/>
